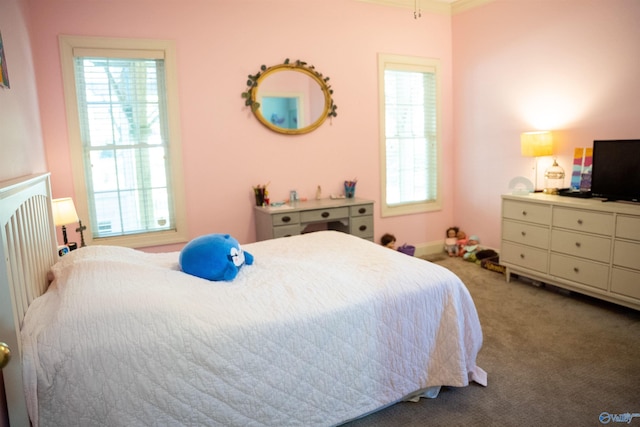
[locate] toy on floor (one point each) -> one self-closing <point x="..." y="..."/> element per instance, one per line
<point x="451" y="241"/>
<point x="471" y="248"/>
<point x="388" y="240"/>
<point x="462" y="241"/>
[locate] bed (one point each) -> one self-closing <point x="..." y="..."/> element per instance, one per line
<point x="323" y="328"/>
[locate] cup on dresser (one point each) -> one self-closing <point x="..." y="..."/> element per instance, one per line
<point x="259" y="192"/>
<point x="349" y="189"/>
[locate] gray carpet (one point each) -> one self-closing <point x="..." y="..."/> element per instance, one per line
<point x="553" y="358"/>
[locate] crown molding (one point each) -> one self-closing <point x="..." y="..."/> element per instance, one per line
<point x="458" y="6"/>
<point x="437" y="6"/>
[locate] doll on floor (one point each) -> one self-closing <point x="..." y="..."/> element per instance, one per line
<point x="470" y="249"/>
<point x="462" y="241"/>
<point x="451" y="242"/>
<point x="388" y="240"/>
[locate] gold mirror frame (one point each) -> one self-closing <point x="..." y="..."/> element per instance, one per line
<point x="253" y="86"/>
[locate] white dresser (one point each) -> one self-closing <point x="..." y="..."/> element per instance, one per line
<point x="353" y="216"/>
<point x="584" y="245"/>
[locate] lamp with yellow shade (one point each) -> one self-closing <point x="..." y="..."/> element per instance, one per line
<point x="536" y="144"/>
<point x="540" y="144"/>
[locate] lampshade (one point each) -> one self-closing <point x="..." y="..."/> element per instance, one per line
<point x="64" y="211"/>
<point x="536" y="144"/>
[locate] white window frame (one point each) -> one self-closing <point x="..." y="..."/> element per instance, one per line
<point x="408" y="63"/>
<point x="168" y="49"/>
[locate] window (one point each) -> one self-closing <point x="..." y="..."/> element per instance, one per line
<point x="409" y="134"/>
<point x="124" y="139"/>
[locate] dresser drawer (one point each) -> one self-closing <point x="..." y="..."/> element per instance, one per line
<point x="354" y="216"/>
<point x="324" y="214"/>
<point x="530" y="212"/>
<point x="592" y="247"/>
<point x="625" y="282"/>
<point x="286" y="231"/>
<point x="524" y="256"/>
<point x="361" y="210"/>
<point x="580" y="220"/>
<point x="526" y="234"/>
<point x="628" y="227"/>
<point x="285" y="218"/>
<point x="361" y="226"/>
<point x="626" y="254"/>
<point x="581" y="245"/>
<point x="577" y="270"/>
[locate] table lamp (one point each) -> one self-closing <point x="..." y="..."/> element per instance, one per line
<point x="536" y="144"/>
<point x="64" y="213"/>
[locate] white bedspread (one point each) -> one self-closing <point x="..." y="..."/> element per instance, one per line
<point x="321" y="329"/>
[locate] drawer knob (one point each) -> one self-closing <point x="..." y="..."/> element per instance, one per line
<point x="580" y="221"/>
<point x="524" y="213"/>
<point x="522" y="256"/>
<point x="325" y="215"/>
<point x="363" y="227"/>
<point x="578" y="244"/>
<point x="286" y="218"/>
<point x="524" y="233"/>
<point x="362" y="210"/>
<point x="576" y="269"/>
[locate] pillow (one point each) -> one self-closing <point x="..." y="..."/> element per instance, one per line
<point x="214" y="257"/>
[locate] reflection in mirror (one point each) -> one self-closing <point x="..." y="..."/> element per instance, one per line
<point x="282" y="111"/>
<point x="290" y="98"/>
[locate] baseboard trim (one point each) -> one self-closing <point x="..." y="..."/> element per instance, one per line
<point x="434" y="248"/>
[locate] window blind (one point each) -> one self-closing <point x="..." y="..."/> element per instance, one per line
<point x="124" y="133"/>
<point x="411" y="150"/>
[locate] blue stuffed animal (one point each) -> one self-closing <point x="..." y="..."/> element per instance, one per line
<point x="214" y="257"/>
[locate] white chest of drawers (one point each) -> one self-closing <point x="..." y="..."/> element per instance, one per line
<point x="584" y="245"/>
<point x="353" y="216"/>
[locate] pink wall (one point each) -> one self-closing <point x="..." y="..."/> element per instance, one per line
<point x="226" y="150"/>
<point x="21" y="147"/>
<point x="571" y="66"/>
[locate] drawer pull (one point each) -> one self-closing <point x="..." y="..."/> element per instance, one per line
<point x="362" y="210"/>
<point x="524" y="213"/>
<point x="576" y="270"/>
<point x="578" y="244"/>
<point x="363" y="227"/>
<point x="286" y="218"/>
<point x="325" y="214"/>
<point x="580" y="222"/>
<point x="522" y="256"/>
<point x="524" y="233"/>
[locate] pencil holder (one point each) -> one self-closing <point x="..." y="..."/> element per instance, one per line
<point x="349" y="190"/>
<point x="259" y="193"/>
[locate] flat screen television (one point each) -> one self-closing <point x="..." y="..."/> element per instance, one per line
<point x="615" y="173"/>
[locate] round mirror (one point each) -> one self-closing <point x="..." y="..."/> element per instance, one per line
<point x="290" y="98"/>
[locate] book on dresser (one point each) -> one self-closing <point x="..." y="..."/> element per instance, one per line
<point x="583" y="245"/>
